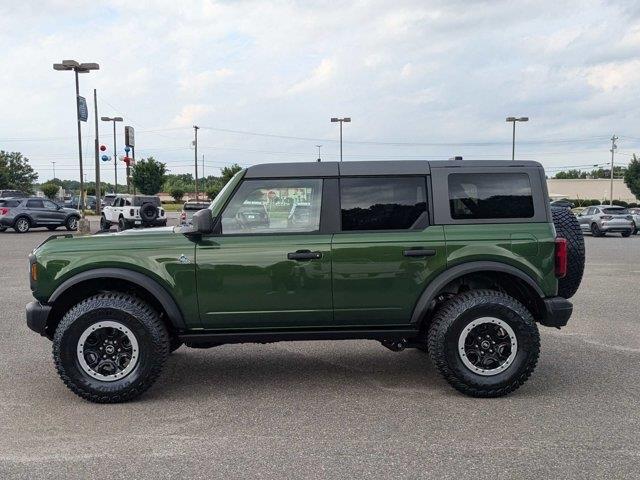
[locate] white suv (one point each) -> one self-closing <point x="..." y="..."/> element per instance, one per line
<point x="128" y="211"/>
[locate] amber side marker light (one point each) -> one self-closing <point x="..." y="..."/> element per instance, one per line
<point x="34" y="272"/>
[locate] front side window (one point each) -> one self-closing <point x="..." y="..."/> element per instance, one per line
<point x="50" y="205"/>
<point x="490" y="196"/>
<point x="382" y="203"/>
<point x="274" y="206"/>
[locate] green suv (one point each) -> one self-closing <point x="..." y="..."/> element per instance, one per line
<point x="461" y="259"/>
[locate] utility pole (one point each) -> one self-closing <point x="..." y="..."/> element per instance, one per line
<point x="115" y="149"/>
<point x="195" y="144"/>
<point x="319" y="147"/>
<point x="613" y="149"/>
<point x="203" y="177"/>
<point x="54" y="169"/>
<point x="97" y="153"/>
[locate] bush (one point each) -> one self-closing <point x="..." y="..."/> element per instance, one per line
<point x="177" y="194"/>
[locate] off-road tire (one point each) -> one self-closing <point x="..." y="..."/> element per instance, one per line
<point x="20" y="227"/>
<point x="122" y="224"/>
<point x="568" y="227"/>
<point x="104" y="225"/>
<point x="449" y="323"/>
<point x="148" y="212"/>
<point x="72" y="223"/>
<point x="136" y="315"/>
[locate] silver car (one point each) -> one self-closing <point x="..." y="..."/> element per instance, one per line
<point x="603" y="219"/>
<point x="22" y="214"/>
<point x="635" y="213"/>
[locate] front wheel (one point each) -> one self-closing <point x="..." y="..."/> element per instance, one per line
<point x="627" y="233"/>
<point x="595" y="230"/>
<point x="71" y="224"/>
<point x="104" y="224"/>
<point x="2" y="229"/>
<point x="484" y="343"/>
<point x="110" y="348"/>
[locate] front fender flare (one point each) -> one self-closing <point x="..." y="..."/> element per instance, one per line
<point x="161" y="294"/>
<point x="424" y="302"/>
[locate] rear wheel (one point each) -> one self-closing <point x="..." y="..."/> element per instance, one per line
<point x="484" y="343"/>
<point x="110" y="348"/>
<point x="22" y="225"/>
<point x="2" y="229"/>
<point x="122" y="224"/>
<point x="104" y="224"/>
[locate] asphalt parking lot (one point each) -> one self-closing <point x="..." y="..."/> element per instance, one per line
<point x="335" y="409"/>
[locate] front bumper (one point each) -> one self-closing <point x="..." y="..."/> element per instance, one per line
<point x="557" y="311"/>
<point x="37" y="316"/>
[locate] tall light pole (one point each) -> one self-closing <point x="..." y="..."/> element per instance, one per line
<point x="319" y="147"/>
<point x="115" y="150"/>
<point x="195" y="144"/>
<point x="54" y="169"/>
<point x="614" y="147"/>
<point x="513" y="138"/>
<point x="97" y="154"/>
<point x="77" y="68"/>
<point x="341" y="120"/>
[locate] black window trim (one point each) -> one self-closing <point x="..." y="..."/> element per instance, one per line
<point x="424" y="222"/>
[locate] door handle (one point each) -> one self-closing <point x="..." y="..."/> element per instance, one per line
<point x="419" y="252"/>
<point x="304" y="255"/>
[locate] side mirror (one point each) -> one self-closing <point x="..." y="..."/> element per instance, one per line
<point x="202" y="221"/>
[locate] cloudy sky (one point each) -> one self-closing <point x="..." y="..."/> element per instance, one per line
<point x="420" y="79"/>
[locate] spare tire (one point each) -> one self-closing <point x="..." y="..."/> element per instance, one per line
<point x="148" y="212"/>
<point x="567" y="227"/>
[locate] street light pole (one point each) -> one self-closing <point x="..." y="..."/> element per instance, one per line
<point x="115" y="148"/>
<point x="83" y="225"/>
<point x="319" y="158"/>
<point x="513" y="137"/>
<point x="341" y="120"/>
<point x="54" y="169"/>
<point x="97" y="154"/>
<point x="613" y="149"/>
<point x="195" y="143"/>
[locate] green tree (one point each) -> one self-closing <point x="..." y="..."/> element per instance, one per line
<point x="50" y="190"/>
<point x="632" y="176"/>
<point x="214" y="190"/>
<point x="177" y="193"/>
<point x="148" y="176"/>
<point x="229" y="172"/>
<point x="15" y="172"/>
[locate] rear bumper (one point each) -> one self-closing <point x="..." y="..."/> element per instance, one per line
<point x="6" y="222"/>
<point x="617" y="227"/>
<point x="37" y="315"/>
<point x="557" y="311"/>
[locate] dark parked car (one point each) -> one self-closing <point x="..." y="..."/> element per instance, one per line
<point x="562" y="204"/>
<point x="90" y="202"/>
<point x="12" y="194"/>
<point x="22" y="214"/>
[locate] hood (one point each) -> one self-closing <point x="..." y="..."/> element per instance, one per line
<point x="145" y="231"/>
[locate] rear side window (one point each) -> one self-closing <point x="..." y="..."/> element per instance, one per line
<point x="382" y="203"/>
<point x="35" y="204"/>
<point x="490" y="195"/>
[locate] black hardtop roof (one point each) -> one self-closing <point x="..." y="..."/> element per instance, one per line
<point x="382" y="167"/>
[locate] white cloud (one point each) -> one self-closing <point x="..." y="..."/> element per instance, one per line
<point x="320" y="75"/>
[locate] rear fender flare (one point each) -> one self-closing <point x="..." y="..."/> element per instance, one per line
<point x="429" y="293"/>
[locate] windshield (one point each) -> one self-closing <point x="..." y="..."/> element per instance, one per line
<point x="218" y="202"/>
<point x="616" y="211"/>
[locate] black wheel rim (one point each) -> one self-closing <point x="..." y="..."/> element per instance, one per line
<point x="487" y="346"/>
<point x="107" y="351"/>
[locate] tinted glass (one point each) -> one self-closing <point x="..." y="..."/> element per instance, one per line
<point x="35" y="204"/>
<point x="490" y="195"/>
<point x="616" y="211"/>
<point x="382" y="203"/>
<point x="9" y="203"/>
<point x="270" y="206"/>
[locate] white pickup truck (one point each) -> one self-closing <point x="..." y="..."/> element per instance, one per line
<point x="129" y="211"/>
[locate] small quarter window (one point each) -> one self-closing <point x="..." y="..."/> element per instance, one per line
<point x="490" y="196"/>
<point x="382" y="203"/>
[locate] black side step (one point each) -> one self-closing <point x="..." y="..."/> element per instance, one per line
<point x="297" y="335"/>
